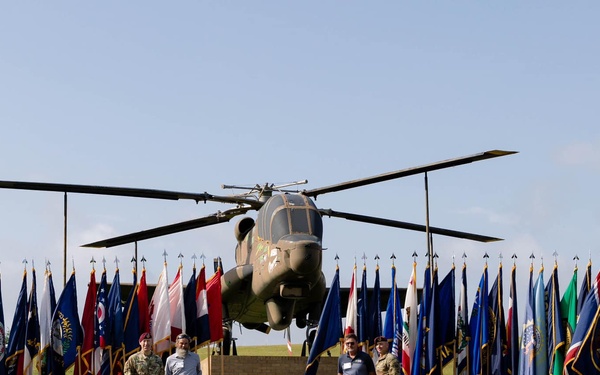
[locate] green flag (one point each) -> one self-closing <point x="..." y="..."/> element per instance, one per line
<point x="568" y="310"/>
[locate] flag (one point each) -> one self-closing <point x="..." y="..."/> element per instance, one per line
<point x="568" y="310"/>
<point x="463" y="335"/>
<point x="409" y="321"/>
<point x="115" y="325"/>
<point x="498" y="342"/>
<point x="431" y="331"/>
<point x="329" y="331"/>
<point x="2" y="336"/>
<point x="351" y="313"/>
<point x="66" y="330"/>
<point x="142" y="295"/>
<point x="479" y="327"/>
<point x="202" y="321"/>
<point x="160" y="315"/>
<point x="176" y="305"/>
<point x="131" y="319"/>
<point x="418" y="362"/>
<point x="84" y="364"/>
<point x="512" y="326"/>
<point x="583" y="356"/>
<point x="363" y="313"/>
<point x="554" y="325"/>
<point x="529" y="333"/>
<point x="189" y="304"/>
<point x="16" y="341"/>
<point x="101" y="352"/>
<point x="215" y="306"/>
<point x="585" y="287"/>
<point x="393" y="317"/>
<point x="539" y="311"/>
<point x="32" y="333"/>
<point x="375" y="309"/>
<point x="446" y="328"/>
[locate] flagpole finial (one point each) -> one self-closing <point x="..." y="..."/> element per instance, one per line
<point x="73" y="263"/>
<point x="514" y="258"/>
<point x="143" y="260"/>
<point x="464" y="256"/>
<point x="337" y="258"/>
<point x="93" y="261"/>
<point x="24" y="261"/>
<point x="377" y="259"/>
<point x="453" y="258"/>
<point x="164" y="254"/>
<point x="117" y="262"/>
<point x="202" y="256"/>
<point x="48" y="265"/>
<point x="486" y="256"/>
<point x="576" y="258"/>
<point x="415" y="255"/>
<point x="180" y="256"/>
<point x="364" y="258"/>
<point x="133" y="262"/>
<point x="555" y="254"/>
<point x="104" y="263"/>
<point x="194" y="257"/>
<point x="435" y="258"/>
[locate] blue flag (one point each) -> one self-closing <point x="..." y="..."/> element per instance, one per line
<point x="431" y="331"/>
<point x="446" y="329"/>
<point x="115" y="324"/>
<point x="67" y="334"/>
<point x="463" y="335"/>
<point x="329" y="331"/>
<point x="14" y="350"/>
<point x="375" y="309"/>
<point x="554" y="324"/>
<point x="530" y="335"/>
<point x="132" y="319"/>
<point x="364" y="318"/>
<point x="32" y="333"/>
<point x="539" y="311"/>
<point x="583" y="356"/>
<point x="585" y="287"/>
<point x="189" y="305"/>
<point x="479" y="326"/>
<point x="101" y="339"/>
<point x="498" y="344"/>
<point x="393" y="317"/>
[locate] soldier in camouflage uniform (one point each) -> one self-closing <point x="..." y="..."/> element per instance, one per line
<point x="144" y="362"/>
<point x="387" y="363"/>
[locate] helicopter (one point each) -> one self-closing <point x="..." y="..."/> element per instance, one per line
<point x="278" y="273"/>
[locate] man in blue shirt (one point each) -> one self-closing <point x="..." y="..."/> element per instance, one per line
<point x="354" y="362"/>
<point x="183" y="362"/>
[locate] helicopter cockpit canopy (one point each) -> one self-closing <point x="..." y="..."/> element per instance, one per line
<point x="286" y="214"/>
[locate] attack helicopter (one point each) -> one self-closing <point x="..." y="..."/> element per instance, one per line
<point x="278" y="273"/>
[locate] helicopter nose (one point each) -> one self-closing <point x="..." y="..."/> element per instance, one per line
<point x="305" y="256"/>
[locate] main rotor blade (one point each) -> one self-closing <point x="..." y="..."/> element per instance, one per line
<point x="409" y="226"/>
<point x="221" y="217"/>
<point x="126" y="192"/>
<point x="407" y="172"/>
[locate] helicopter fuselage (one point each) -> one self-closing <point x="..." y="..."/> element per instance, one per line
<point x="278" y="273"/>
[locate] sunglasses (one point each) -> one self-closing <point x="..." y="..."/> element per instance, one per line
<point x="350" y="343"/>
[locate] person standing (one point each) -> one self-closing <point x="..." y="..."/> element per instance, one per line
<point x="183" y="362"/>
<point x="387" y="363"/>
<point x="354" y="362"/>
<point x="144" y="362"/>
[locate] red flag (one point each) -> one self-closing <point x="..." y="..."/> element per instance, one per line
<point x="202" y="323"/>
<point x="215" y="307"/>
<point x="143" y="303"/>
<point x="83" y="365"/>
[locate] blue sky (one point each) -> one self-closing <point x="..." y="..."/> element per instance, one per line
<point x="193" y="95"/>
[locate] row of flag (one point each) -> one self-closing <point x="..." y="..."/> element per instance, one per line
<point x="560" y="335"/>
<point x="51" y="338"/>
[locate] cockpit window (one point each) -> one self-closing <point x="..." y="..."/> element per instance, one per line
<point x="289" y="214"/>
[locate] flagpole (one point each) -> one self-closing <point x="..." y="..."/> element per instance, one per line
<point x="429" y="252"/>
